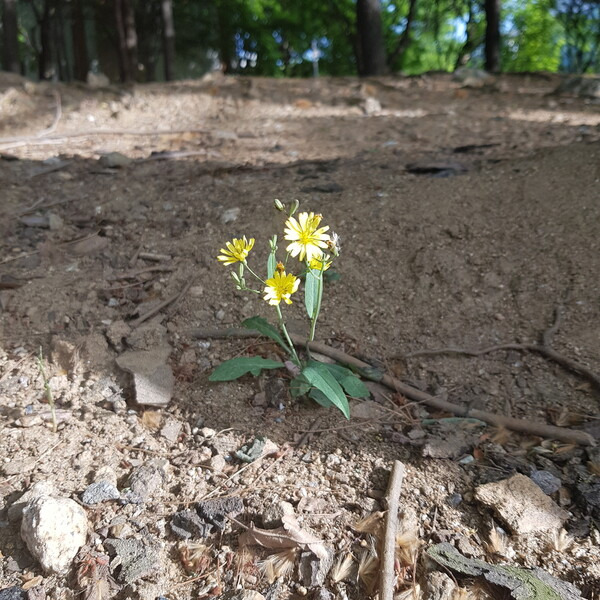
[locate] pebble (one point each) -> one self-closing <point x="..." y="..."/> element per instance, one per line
<point x="146" y="480"/>
<point x="137" y="558"/>
<point x="54" y="529"/>
<point x="39" y="489"/>
<point x="101" y="491"/>
<point x="547" y="482"/>
<point x="230" y="215"/>
<point x="114" y="160"/>
<point x="13" y="593"/>
<point x="522" y="505"/>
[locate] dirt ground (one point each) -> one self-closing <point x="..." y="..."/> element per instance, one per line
<point x="468" y="214"/>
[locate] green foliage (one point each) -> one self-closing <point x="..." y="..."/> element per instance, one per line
<point x="535" y="39"/>
<point x="238" y="367"/>
<point x="313" y="288"/>
<point x="319" y="376"/>
<point x="264" y="327"/>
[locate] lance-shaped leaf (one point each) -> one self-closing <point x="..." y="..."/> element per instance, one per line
<point x="264" y="327"/>
<point x="237" y="367"/>
<point x="319" y="376"/>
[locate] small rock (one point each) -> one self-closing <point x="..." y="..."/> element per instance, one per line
<point x="55" y="222"/>
<point x="260" y="447"/>
<point x="371" y="106"/>
<point x="248" y="595"/>
<point x="137" y="558"/>
<point x="54" y="529"/>
<point x="548" y="483"/>
<point x="146" y="480"/>
<point x="522" y="505"/>
<point x="272" y="515"/>
<point x="153" y="379"/>
<point x="147" y="336"/>
<point x="116" y="334"/>
<point x="101" y="491"/>
<point x="208" y="433"/>
<point x="13" y="593"/>
<point x="230" y="215"/>
<point x="114" y="160"/>
<point x="217" y="463"/>
<point x="171" y="430"/>
<point x="39" y="489"/>
<point x="187" y="524"/>
<point x="106" y="473"/>
<point x="313" y="570"/>
<point x="440" y="586"/>
<point x="323" y="594"/>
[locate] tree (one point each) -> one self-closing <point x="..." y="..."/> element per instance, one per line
<point x="581" y="23"/>
<point x="371" y="50"/>
<point x="168" y="38"/>
<point x="10" y="45"/>
<point x="492" y="36"/>
<point x="127" y="35"/>
<point x="80" y="53"/>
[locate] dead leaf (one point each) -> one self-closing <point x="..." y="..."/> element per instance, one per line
<point x="291" y="535"/>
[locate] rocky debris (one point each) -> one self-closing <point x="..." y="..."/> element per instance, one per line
<point x="260" y="447"/>
<point x="371" y="106"/>
<point x="248" y="595"/>
<point x="39" y="489"/>
<point x="522" y="505"/>
<point x="171" y="430"/>
<point x="272" y="515"/>
<point x="313" y="569"/>
<point x="323" y="594"/>
<point x="116" y="334"/>
<point x="584" y="87"/>
<point x="101" y="491"/>
<point x="454" y="444"/>
<point x="114" y="160"/>
<point x="153" y="379"/>
<point x="208" y="517"/>
<point x="440" y="586"/>
<point x="547" y="482"/>
<point x="588" y="495"/>
<point x="13" y="593"/>
<point x="230" y="215"/>
<point x="145" y="481"/>
<point x="54" y="529"/>
<point x="472" y="78"/>
<point x="148" y="335"/>
<point x="135" y="558"/>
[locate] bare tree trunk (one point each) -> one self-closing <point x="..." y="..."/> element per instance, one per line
<point x="125" y="21"/>
<point x="45" y="62"/>
<point x="168" y="38"/>
<point x="80" y="55"/>
<point x="492" y="36"/>
<point x="10" y="42"/>
<point x="370" y="38"/>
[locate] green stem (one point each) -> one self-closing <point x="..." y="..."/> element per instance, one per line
<point x="287" y="336"/>
<point x="48" y="391"/>
<point x="255" y="275"/>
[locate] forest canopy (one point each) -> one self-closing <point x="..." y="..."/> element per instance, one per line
<point x="149" y="40"/>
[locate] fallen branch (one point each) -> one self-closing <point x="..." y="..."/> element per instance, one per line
<point x="545" y="349"/>
<point x="540" y="429"/>
<point x="170" y="300"/>
<point x="387" y="580"/>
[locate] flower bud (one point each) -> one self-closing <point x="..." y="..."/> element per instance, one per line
<point x="295" y="206"/>
<point x="279" y="205"/>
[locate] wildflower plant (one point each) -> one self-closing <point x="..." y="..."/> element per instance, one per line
<point x="315" y="249"/>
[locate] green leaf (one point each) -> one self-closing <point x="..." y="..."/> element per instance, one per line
<point x="299" y="386"/>
<point x="320" y="398"/>
<point x="351" y="383"/>
<point x="237" y="367"/>
<point x="311" y="291"/>
<point x="271" y="265"/>
<point x="318" y="375"/>
<point x="264" y="327"/>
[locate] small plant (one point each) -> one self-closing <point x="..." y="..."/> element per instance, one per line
<point x="47" y="390"/>
<point x="315" y="249"/>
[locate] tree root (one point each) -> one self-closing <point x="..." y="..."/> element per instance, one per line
<point x="545" y="349"/>
<point x="570" y="436"/>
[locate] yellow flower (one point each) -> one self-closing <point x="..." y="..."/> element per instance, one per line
<point x="281" y="287"/>
<point x="306" y="236"/>
<point x="320" y="263"/>
<point x="237" y="251"/>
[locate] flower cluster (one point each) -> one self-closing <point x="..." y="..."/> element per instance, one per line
<point x="308" y="242"/>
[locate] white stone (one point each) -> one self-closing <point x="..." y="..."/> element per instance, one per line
<point x="54" y="529"/>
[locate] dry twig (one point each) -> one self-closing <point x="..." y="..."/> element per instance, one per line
<point x="523" y="426"/>
<point x="387" y="579"/>
<point x="170" y="300"/>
